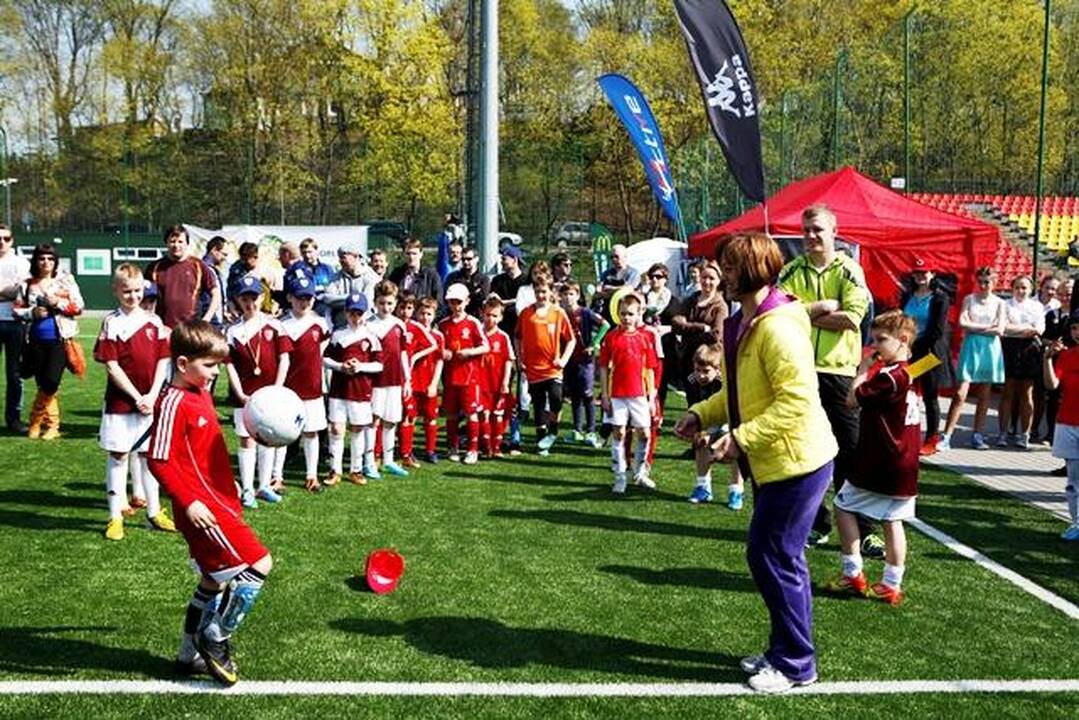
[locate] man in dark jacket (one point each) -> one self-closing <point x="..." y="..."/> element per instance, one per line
<point x="478" y="284"/>
<point x="413" y="277"/>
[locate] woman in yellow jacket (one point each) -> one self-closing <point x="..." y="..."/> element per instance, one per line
<point x="780" y="438"/>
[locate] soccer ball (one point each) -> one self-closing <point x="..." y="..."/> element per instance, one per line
<point x="274" y="416"/>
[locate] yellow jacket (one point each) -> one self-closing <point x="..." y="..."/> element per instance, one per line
<point x="783" y="431"/>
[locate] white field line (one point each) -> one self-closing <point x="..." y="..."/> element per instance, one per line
<point x="1046" y="596"/>
<point x="539" y="690"/>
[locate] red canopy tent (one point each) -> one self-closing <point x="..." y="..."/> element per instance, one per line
<point x="889" y="229"/>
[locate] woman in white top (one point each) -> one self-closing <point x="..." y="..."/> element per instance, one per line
<point x="1022" y="348"/>
<point x="981" y="362"/>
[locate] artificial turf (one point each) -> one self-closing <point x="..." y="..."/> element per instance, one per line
<point x="523" y="569"/>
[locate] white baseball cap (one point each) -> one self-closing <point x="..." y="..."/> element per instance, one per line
<point x="457" y="291"/>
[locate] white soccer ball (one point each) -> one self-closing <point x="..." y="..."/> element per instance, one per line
<point x="274" y="416"/>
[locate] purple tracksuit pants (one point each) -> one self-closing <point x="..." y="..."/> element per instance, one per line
<point x="782" y="518"/>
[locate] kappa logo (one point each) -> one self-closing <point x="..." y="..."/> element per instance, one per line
<point x="721" y="91"/>
<point x="267" y="334"/>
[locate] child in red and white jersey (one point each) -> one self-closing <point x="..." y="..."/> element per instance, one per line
<point x="134" y="346"/>
<point x="419" y="344"/>
<point x="496" y="367"/>
<point x="392" y="385"/>
<point x="258" y="357"/>
<point x="465" y="342"/>
<point x="426" y="374"/>
<point x="353" y="359"/>
<point x="310" y="334"/>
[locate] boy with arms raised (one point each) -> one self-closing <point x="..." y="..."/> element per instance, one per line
<point x="187" y="454"/>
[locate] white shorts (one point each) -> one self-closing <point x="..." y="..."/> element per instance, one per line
<point x="350" y="412"/>
<point x="633" y="412"/>
<point x="238" y="423"/>
<point x="119" y="431"/>
<point x="314" y="415"/>
<point x="874" y="505"/>
<point x="387" y="403"/>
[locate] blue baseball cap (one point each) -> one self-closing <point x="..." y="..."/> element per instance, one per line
<point x="248" y="285"/>
<point x="149" y="289"/>
<point x="301" y="286"/>
<point x="511" y="251"/>
<point x="356" y="302"/>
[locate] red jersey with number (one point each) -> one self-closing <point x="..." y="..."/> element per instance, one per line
<point x="309" y="335"/>
<point x="890" y="433"/>
<point x="187" y="452"/>
<point x="493" y="363"/>
<point x="255" y="350"/>
<point x="423" y="370"/>
<point x="1066" y="367"/>
<point x="137" y="341"/>
<point x="358" y="344"/>
<point x="462" y="334"/>
<point x="390" y="332"/>
<point x="630" y="359"/>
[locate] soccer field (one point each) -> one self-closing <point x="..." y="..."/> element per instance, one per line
<point x="524" y="570"/>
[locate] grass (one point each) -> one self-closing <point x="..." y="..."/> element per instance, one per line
<point x="519" y="570"/>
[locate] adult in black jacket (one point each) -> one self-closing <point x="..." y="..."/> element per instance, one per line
<point x="414" y="277"/>
<point x="928" y="304"/>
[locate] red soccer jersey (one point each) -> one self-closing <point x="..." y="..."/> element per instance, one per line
<point x="187" y="452"/>
<point x="890" y="433"/>
<point x="628" y="356"/>
<point x="461" y="334"/>
<point x="308" y="335"/>
<point x="542" y="338"/>
<point x="1066" y="367"/>
<point x="255" y="350"/>
<point x="423" y="371"/>
<point x="493" y="363"/>
<point x="348" y="344"/>
<point x="390" y="332"/>
<point x="137" y="341"/>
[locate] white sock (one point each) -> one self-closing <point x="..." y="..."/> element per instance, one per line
<point x="310" y="455"/>
<point x="116" y="485"/>
<point x="356" y="448"/>
<point x="137" y="488"/>
<point x="265" y="457"/>
<point x="245" y="458"/>
<point x="279" y="455"/>
<point x="149" y="484"/>
<point x="642" y="451"/>
<point x="389" y="437"/>
<point x="893" y="575"/>
<point x="618" y="456"/>
<point x="705" y="481"/>
<point x="337" y="451"/>
<point x="852" y="564"/>
<point x="369" y="446"/>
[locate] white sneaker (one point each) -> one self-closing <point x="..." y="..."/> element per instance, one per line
<point x="644" y="481"/>
<point x="471" y="457"/>
<point x="619" y="487"/>
<point x="753" y="664"/>
<point x="772" y="682"/>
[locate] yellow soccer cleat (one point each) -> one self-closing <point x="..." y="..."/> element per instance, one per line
<point x="162" y="522"/>
<point x="115" y="529"/>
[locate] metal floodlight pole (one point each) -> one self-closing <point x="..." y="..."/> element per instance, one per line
<point x="487" y="227"/>
<point x="906" y="100"/>
<point x="840" y="61"/>
<point x="7" y="180"/>
<point x="1041" y="142"/>
<point x="784" y="109"/>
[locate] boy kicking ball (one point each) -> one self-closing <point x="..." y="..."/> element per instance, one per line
<point x="885" y="481"/>
<point x="189" y="457"/>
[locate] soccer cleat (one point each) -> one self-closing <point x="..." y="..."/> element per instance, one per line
<point x="332" y="479"/>
<point x="873" y="547"/>
<point x="357" y="478"/>
<point x="577" y="437"/>
<point x="371" y="472"/>
<point x="753" y="664"/>
<point x="771" y="681"/>
<point x="977" y="441"/>
<point x="115" y="529"/>
<point x="431" y="458"/>
<point x="137" y="502"/>
<point x="735" y="499"/>
<point x="846" y="585"/>
<point x="218" y="658"/>
<point x="700" y="495"/>
<point x="1071" y="534"/>
<point x="187" y="668"/>
<point x="454" y="456"/>
<point x="471" y="457"/>
<point x="547" y="441"/>
<point x="930" y="446"/>
<point x="247" y="499"/>
<point x="885" y="593"/>
<point x="642" y="480"/>
<point x="816" y="539"/>
<point x="410" y="462"/>
<point x="543" y="453"/>
<point x="945" y="443"/>
<point x="393" y="468"/>
<point x="162" y="522"/>
<point x="515" y="450"/>
<point x="312" y="485"/>
<point x="593" y="440"/>
<point x="267" y="494"/>
<point x="619" y="487"/>
<point x="1002" y="440"/>
<point x="277" y="485"/>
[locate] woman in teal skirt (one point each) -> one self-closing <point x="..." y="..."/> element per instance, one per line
<point x="981" y="362"/>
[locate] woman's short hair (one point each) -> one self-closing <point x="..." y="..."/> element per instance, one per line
<point x="756" y="260"/>
<point x="44" y="250"/>
<point x="660" y="268"/>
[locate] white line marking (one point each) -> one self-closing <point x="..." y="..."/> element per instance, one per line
<point x="543" y="690"/>
<point x="1046" y="596"/>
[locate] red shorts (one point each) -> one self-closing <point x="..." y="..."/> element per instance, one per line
<point x="410" y="409"/>
<point x="223" y="551"/>
<point x="495" y="402"/>
<point x="426" y="406"/>
<point x="460" y="399"/>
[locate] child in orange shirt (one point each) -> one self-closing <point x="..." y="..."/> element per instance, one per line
<point x="545" y="344"/>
